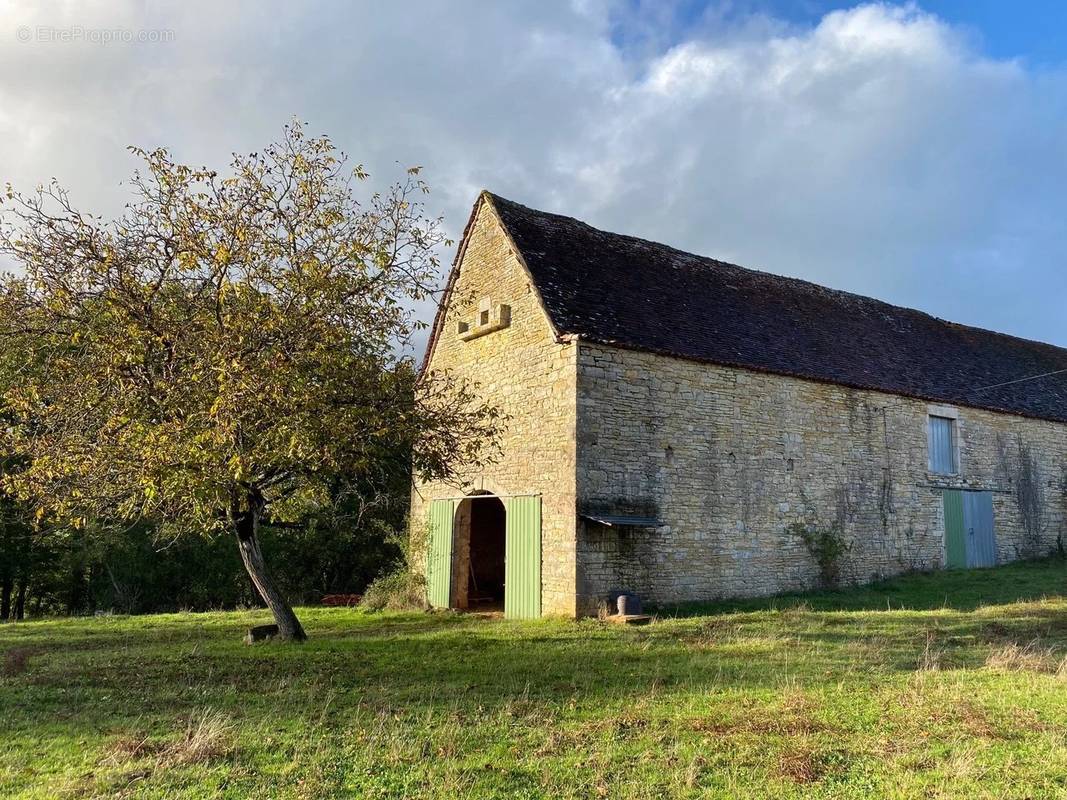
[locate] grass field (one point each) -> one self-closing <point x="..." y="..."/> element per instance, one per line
<point x="947" y="685"/>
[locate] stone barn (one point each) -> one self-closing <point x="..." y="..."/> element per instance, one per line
<point x="677" y="424"/>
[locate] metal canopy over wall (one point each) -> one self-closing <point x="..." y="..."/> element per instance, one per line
<point x="622" y="520"/>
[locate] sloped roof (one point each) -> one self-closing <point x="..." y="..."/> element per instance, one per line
<point x="629" y="292"/>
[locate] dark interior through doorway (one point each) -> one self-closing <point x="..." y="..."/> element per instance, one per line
<point x="485" y="578"/>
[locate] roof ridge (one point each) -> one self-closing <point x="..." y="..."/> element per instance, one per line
<point x="777" y="276"/>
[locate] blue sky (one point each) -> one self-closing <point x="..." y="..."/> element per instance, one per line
<point x="1032" y="30"/>
<point x="914" y="152"/>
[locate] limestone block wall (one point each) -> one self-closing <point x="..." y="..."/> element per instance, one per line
<point x="727" y="459"/>
<point x="513" y="355"/>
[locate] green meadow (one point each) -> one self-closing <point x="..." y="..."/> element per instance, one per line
<point x="940" y="685"/>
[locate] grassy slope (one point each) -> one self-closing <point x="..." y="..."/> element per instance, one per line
<point x="883" y="692"/>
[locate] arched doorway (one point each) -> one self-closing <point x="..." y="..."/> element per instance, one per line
<point x="480" y="542"/>
<point x="506" y="550"/>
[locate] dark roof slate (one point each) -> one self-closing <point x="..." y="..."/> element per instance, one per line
<point x="624" y="291"/>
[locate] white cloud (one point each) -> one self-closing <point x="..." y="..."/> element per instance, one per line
<point x="877" y="151"/>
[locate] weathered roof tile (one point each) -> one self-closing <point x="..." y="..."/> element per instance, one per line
<point x="620" y="290"/>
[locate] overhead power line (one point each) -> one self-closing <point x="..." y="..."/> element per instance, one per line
<point x="1017" y="380"/>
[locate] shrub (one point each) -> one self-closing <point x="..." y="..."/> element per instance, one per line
<point x="400" y="588"/>
<point x="827" y="546"/>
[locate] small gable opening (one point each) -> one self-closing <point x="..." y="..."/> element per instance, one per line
<point x="491" y="317"/>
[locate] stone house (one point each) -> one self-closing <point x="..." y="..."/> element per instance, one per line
<point x="676" y="421"/>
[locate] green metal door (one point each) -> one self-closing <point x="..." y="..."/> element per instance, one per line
<point x="955" y="538"/>
<point x="522" y="558"/>
<point x="439" y="553"/>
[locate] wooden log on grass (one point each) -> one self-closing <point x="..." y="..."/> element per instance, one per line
<point x="261" y="633"/>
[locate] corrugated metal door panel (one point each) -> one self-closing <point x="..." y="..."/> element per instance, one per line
<point x="522" y="558"/>
<point x="955" y="544"/>
<point x="978" y="524"/>
<point x="439" y="553"/>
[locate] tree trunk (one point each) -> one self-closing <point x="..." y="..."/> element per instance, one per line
<point x="246" y="524"/>
<point x="76" y="591"/>
<point x="20" y="600"/>
<point x="5" y="597"/>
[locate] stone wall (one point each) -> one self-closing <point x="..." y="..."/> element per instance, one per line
<point x="513" y="354"/>
<point x="727" y="459"/>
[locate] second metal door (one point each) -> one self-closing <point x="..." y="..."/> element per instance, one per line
<point x="970" y="540"/>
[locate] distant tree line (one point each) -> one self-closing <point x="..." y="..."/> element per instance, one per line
<point x="48" y="569"/>
<point x="133" y="570"/>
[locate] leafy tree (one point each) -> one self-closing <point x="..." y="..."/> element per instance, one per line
<point x="225" y="354"/>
